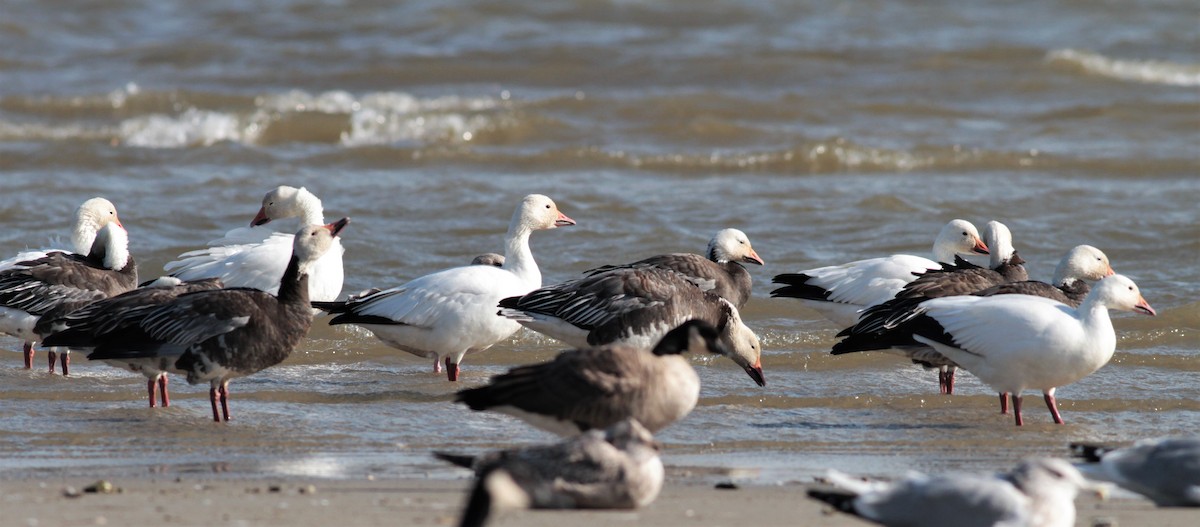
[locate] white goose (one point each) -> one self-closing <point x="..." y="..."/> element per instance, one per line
<point x="90" y="217"/>
<point x="256" y="257"/>
<point x="839" y="292"/>
<point x="1016" y="342"/>
<point x="450" y="313"/>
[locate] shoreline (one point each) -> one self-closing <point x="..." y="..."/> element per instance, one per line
<point x="251" y="500"/>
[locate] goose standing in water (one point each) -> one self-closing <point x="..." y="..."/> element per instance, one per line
<point x="446" y="315"/>
<point x="90" y="217"/>
<point x="222" y="334"/>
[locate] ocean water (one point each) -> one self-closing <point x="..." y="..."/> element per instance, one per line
<point x="827" y="132"/>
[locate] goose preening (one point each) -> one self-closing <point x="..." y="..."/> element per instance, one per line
<point x="90" y="217"/>
<point x="222" y="334"/>
<point x="615" y="468"/>
<point x="79" y="328"/>
<point x="1014" y="342"/>
<point x="594" y="388"/>
<point x="720" y="270"/>
<point x="256" y="257"/>
<point x="35" y="292"/>
<point x="839" y="292"/>
<point x="635" y="307"/>
<point x="963" y="278"/>
<point x="1167" y="471"/>
<point x="1038" y="493"/>
<point x="450" y="313"/>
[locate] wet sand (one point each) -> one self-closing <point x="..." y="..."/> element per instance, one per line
<point x="318" y="502"/>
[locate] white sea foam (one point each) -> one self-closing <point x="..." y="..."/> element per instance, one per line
<point x="1146" y="71"/>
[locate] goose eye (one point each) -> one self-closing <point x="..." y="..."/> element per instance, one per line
<point x="964" y="233"/>
<point x="547" y="206"/>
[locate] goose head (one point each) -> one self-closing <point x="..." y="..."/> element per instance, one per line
<point x="743" y="345"/>
<point x="732" y="245"/>
<point x="492" y="259"/>
<point x="90" y="217"/>
<point x="999" y="241"/>
<point x="312" y="241"/>
<point x="958" y="237"/>
<point x="538" y="212"/>
<point x="1083" y="262"/>
<point x="1119" y="292"/>
<point x="288" y="202"/>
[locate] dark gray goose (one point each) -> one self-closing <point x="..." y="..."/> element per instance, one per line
<point x="223" y="334"/>
<point x="90" y="217"/>
<point x="962" y="278"/>
<point x="79" y="328"/>
<point x="1165" y="470"/>
<point x="594" y="388"/>
<point x="720" y="270"/>
<point x="635" y="307"/>
<point x="616" y="468"/>
<point x="36" y="292"/>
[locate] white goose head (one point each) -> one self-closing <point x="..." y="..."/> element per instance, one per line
<point x="538" y="212"/>
<point x="999" y="242"/>
<point x="289" y="202"/>
<point x="957" y="237"/>
<point x="1083" y="262"/>
<point x="1119" y="292"/>
<point x="312" y="241"/>
<point x="90" y="217"/>
<point x="1052" y="485"/>
<point x="732" y="245"/>
<point x="744" y="347"/>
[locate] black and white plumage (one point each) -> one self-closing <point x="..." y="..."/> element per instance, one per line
<point x="594" y="388"/>
<point x="90" y="217"/>
<point x="1167" y="471"/>
<point x="80" y="328"/>
<point x="450" y="313"/>
<point x="960" y="278"/>
<point x="840" y="292"/>
<point x="635" y="307"/>
<point x="1082" y="264"/>
<point x="223" y="334"/>
<point x="1013" y="342"/>
<point x="720" y="270"/>
<point x="257" y="256"/>
<point x="615" y="468"/>
<point x="34" y="293"/>
<point x="1038" y="493"/>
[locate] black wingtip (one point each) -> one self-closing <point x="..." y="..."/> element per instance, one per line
<point x="479" y="505"/>
<point x="512" y="302"/>
<point x="1089" y="452"/>
<point x="842" y="500"/>
<point x="679" y="339"/>
<point x="460" y="460"/>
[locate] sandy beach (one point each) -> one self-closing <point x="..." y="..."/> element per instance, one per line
<point x="317" y="502"/>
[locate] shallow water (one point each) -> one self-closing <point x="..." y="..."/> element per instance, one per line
<point x="827" y="134"/>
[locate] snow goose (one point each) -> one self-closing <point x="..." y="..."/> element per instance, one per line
<point x="79" y="328"/>
<point x="35" y="292"/>
<point x="450" y="313"/>
<point x="963" y="278"/>
<point x="222" y="334"/>
<point x="1167" y="471"/>
<point x="719" y="271"/>
<point x="1038" y="493"/>
<point x="1015" y="342"/>
<point x="1082" y="264"/>
<point x="594" y="388"/>
<point x="839" y="292"/>
<point x="616" y="468"/>
<point x="256" y="257"/>
<point x="632" y="306"/>
<point x="90" y="217"/>
<point x="492" y="259"/>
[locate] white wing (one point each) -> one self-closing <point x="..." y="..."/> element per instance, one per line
<point x="260" y="264"/>
<point x="449" y="293"/>
<point x="869" y="282"/>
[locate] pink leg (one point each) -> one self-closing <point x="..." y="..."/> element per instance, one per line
<point x="950" y="380"/>
<point x="28" y="355"/>
<point x="437" y="365"/>
<point x="212" y="398"/>
<point x="151" y="388"/>
<point x="451" y="370"/>
<point x="65" y="360"/>
<point x="1003" y="403"/>
<point x="1052" y="404"/>
<point x="1016" y="400"/>
<point x="162" y="388"/>
<point x="941" y="381"/>
<point x="225" y="400"/>
<point x="53" y="355"/>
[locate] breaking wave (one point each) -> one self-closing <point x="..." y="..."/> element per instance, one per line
<point x="1145" y="71"/>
